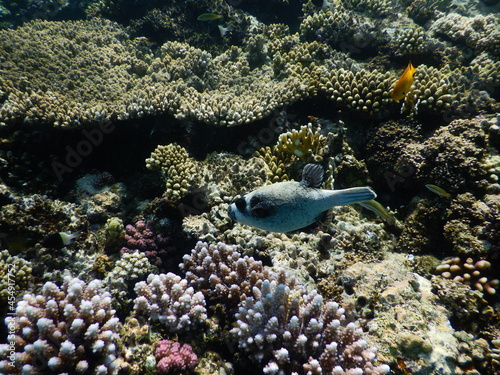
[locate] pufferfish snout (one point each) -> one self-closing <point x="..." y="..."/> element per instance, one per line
<point x="291" y="205"/>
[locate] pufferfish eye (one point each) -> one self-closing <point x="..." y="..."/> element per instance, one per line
<point x="240" y="204"/>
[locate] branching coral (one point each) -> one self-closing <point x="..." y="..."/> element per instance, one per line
<point x="72" y="329"/>
<point x="167" y="298"/>
<point x="179" y="170"/>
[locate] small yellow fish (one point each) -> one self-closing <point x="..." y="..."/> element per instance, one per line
<point x="402" y="86"/>
<point x="438" y="190"/>
<point x="380" y="210"/>
<point x="208" y="17"/>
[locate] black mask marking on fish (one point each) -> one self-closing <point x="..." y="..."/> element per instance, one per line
<point x="291" y="205"/>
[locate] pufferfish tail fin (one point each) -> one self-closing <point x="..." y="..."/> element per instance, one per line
<point x="351" y="195"/>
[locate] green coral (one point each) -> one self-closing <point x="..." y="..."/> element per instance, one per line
<point x="114" y="232"/>
<point x="179" y="170"/>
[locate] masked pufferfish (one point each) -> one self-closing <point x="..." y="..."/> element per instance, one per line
<point x="291" y="205"/>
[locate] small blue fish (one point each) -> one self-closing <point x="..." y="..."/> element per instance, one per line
<point x="437" y="190"/>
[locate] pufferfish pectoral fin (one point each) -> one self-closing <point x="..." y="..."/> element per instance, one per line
<point x="263" y="208"/>
<point x="312" y="175"/>
<point x="325" y="219"/>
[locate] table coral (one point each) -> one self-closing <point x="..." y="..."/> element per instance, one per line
<point x="128" y="80"/>
<point x="67" y="329"/>
<point x="479" y="32"/>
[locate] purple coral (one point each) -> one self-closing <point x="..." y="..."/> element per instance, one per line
<point x="171" y="356"/>
<point x="157" y="247"/>
<point x="278" y="324"/>
<point x="167" y="298"/>
<point x="226" y="275"/>
<point x="311" y="337"/>
<point x="71" y="329"/>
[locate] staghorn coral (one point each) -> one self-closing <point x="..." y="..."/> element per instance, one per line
<point x="469" y="273"/>
<point x="67" y="329"/>
<point x="167" y="298"/>
<point x="172" y="356"/>
<point x="178" y="169"/>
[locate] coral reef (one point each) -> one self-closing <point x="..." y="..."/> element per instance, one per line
<point x="177" y="168"/>
<point x="172" y="356"/>
<point x="274" y="328"/>
<point x="278" y="324"/>
<point x="114" y="232"/>
<point x="167" y="298"/>
<point x="229" y="88"/>
<point x="479" y="32"/>
<point x="225" y="274"/>
<point x="15" y="274"/>
<point x="221" y="108"/>
<point x="34" y="218"/>
<point x="404" y="315"/>
<point x="469" y="273"/>
<point x="156" y="247"/>
<point x="71" y="328"/>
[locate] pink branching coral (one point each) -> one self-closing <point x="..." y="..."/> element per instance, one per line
<point x="278" y="324"/>
<point x="157" y="247"/>
<point x="171" y="356"/>
<point x="226" y="275"/>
